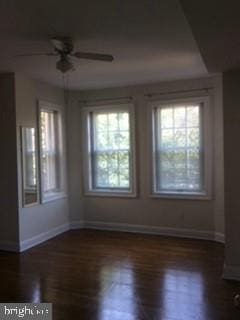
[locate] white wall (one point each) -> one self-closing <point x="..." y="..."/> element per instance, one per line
<point x="76" y="209"/>
<point x="231" y="98"/>
<point x="43" y="220"/>
<point x="202" y="218"/>
<point x="183" y="217"/>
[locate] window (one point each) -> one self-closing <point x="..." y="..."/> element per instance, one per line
<point x="30" y="178"/>
<point x="109" y="139"/>
<point x="180" y="148"/>
<point x="51" y="152"/>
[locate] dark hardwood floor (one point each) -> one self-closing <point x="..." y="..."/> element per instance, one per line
<point x="98" y="275"/>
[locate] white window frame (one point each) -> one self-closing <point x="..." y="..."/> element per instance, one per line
<point x="60" y="192"/>
<point x="86" y="150"/>
<point x="206" y="121"/>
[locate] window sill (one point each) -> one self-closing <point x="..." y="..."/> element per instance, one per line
<point x="54" y="197"/>
<point x="33" y="204"/>
<point x="181" y="196"/>
<point x="110" y="194"/>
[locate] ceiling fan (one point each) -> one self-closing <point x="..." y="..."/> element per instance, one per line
<point x="64" y="49"/>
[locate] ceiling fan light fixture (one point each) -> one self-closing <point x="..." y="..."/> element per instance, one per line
<point x="63" y="48"/>
<point x="64" y="65"/>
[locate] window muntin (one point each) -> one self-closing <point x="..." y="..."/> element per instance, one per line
<point x="178" y="147"/>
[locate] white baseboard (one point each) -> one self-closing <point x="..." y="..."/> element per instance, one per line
<point x="175" y="232"/>
<point x="44" y="236"/>
<point x="124" y="227"/>
<point x="9" y="246"/>
<point x="231" y="272"/>
<point x="77" y="224"/>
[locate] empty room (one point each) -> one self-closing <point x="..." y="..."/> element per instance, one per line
<point x="119" y="175"/>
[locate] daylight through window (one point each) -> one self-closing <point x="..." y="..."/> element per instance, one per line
<point x="111" y="150"/>
<point x="49" y="150"/>
<point x="30" y="159"/>
<point x="179" y="148"/>
<point x="110" y="162"/>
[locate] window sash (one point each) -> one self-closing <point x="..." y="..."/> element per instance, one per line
<point x="90" y="187"/>
<point x="159" y="152"/>
<point x="96" y="171"/>
<point x="95" y="151"/>
<point x="49" y="150"/>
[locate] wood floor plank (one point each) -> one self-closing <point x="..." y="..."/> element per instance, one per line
<point x="98" y="275"/>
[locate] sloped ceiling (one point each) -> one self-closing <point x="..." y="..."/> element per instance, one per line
<point x="150" y="40"/>
<point x="216" y="28"/>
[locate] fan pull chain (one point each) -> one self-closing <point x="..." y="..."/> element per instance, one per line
<point x="65" y="80"/>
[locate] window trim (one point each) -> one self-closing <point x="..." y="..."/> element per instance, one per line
<point x="86" y="148"/>
<point x="206" y="120"/>
<point x="61" y="192"/>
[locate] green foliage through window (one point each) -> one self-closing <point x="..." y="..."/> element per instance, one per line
<point x="111" y="150"/>
<point x="178" y="148"/>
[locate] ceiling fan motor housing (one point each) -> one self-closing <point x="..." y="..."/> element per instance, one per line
<point x="62" y="45"/>
<point x="64" y="64"/>
<point x="67" y="46"/>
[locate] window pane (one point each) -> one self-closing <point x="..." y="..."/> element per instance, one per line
<point x="102" y="140"/>
<point x="179" y="117"/>
<point x="193" y="116"/>
<point x="193" y="159"/>
<point x="30" y="158"/>
<point x="124" y="140"/>
<point x="124" y="178"/>
<point x="123" y="120"/>
<point x="178" y="146"/>
<point x="167" y="159"/>
<point x="180" y="159"/>
<point x="123" y="160"/>
<point x="113" y="121"/>
<point x="111" y="150"/>
<point x="166" y="138"/>
<point x="113" y="140"/>
<point x="49" y="151"/>
<point x="179" y="138"/>
<point x="193" y="137"/>
<point x="167" y="118"/>
<point x="101" y="122"/>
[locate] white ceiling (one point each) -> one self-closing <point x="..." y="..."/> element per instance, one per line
<point x="149" y="39"/>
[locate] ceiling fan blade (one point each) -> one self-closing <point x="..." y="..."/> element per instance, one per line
<point x="37" y="54"/>
<point x="93" y="56"/>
